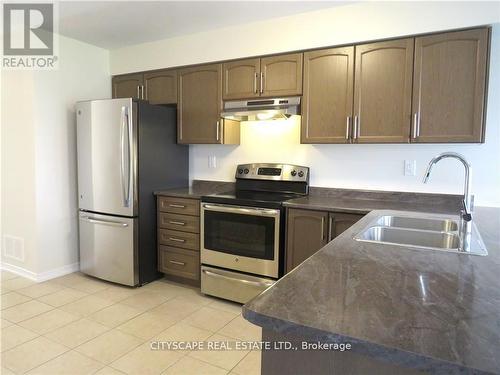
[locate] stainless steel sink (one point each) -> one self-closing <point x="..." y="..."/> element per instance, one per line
<point x="410" y="237"/>
<point x="421" y="231"/>
<point x="440" y="225"/>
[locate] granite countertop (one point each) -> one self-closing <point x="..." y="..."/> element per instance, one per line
<point x="364" y="201"/>
<point x="198" y="189"/>
<point x="429" y="310"/>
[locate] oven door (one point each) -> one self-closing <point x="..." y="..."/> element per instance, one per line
<point x="241" y="238"/>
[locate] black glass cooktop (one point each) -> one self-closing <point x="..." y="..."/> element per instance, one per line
<point x="251" y="198"/>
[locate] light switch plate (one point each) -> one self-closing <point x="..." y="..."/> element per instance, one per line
<point x="410" y="167"/>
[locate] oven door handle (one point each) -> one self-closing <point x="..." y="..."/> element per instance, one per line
<point x="241" y="210"/>
<point x="248" y="282"/>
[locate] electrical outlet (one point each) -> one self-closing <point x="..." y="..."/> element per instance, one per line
<point x="212" y="161"/>
<point x="410" y="167"/>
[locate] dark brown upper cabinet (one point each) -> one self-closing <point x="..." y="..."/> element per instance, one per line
<point x="199" y="105"/>
<point x="127" y="86"/>
<point x="263" y="77"/>
<point x="161" y="87"/>
<point x="241" y="79"/>
<point x="328" y="96"/>
<point x="449" y="87"/>
<point x="426" y="89"/>
<point x="382" y="92"/>
<point x="281" y="75"/>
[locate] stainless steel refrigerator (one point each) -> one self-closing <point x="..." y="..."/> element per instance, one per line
<point x="127" y="149"/>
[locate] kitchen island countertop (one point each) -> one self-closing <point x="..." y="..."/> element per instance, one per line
<point x="427" y="310"/>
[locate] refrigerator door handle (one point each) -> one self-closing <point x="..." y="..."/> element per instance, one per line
<point x="104" y="222"/>
<point x="125" y="180"/>
<point x="130" y="156"/>
<point x="122" y="151"/>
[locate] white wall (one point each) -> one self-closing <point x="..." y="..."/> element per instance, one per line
<point x="39" y="191"/>
<point x="18" y="163"/>
<point x="350" y="166"/>
<point x="362" y="21"/>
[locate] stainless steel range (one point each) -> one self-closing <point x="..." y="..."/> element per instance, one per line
<point x="242" y="233"/>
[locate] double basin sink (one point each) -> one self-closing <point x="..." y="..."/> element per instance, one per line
<point x="421" y="232"/>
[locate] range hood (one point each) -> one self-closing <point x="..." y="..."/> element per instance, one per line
<point x="261" y="109"/>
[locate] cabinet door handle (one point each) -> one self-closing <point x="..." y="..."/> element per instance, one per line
<point x="218" y="130"/>
<point x="174" y="205"/>
<point x="142" y="92"/>
<point x="255" y="83"/>
<point x="138" y="91"/>
<point x="261" y="82"/>
<point x="181" y="240"/>
<point x="414" y="125"/>
<point x="347" y="127"/>
<point x="418" y="124"/>
<point x="177" y="222"/>
<point x="331" y="228"/>
<point x="177" y="262"/>
<point x="322" y="228"/>
<point x="355" y="132"/>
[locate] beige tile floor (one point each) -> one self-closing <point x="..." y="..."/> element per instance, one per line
<point x="76" y="325"/>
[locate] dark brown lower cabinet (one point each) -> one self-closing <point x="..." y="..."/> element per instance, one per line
<point x="178" y="231"/>
<point x="339" y="222"/>
<point x="309" y="230"/>
<point x="179" y="262"/>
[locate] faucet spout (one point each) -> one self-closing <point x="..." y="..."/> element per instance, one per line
<point x="467" y="179"/>
<point x="467" y="202"/>
<point x="428" y="171"/>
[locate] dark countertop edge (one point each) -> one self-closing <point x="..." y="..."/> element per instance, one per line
<point x="371" y="349"/>
<point x="174" y="193"/>
<point x="197" y="189"/>
<point x="323" y="207"/>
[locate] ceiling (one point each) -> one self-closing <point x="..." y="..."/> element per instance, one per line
<point x="115" y="24"/>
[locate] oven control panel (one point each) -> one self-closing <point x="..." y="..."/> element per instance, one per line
<point x="276" y="172"/>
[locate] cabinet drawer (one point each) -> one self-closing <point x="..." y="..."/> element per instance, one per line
<point x="175" y="238"/>
<point x="183" y="223"/>
<point x="179" y="205"/>
<point x="178" y="262"/>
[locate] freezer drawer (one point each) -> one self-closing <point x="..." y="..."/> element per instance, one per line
<point x="233" y="286"/>
<point x="109" y="248"/>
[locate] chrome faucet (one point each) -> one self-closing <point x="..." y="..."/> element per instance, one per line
<point x="468" y="199"/>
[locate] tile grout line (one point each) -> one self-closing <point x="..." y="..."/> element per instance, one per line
<point x="108" y="329"/>
<point x="69" y="349"/>
<point x="60" y="355"/>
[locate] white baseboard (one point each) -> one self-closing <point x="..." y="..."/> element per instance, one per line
<point x="43" y="276"/>
<point x="19" y="271"/>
